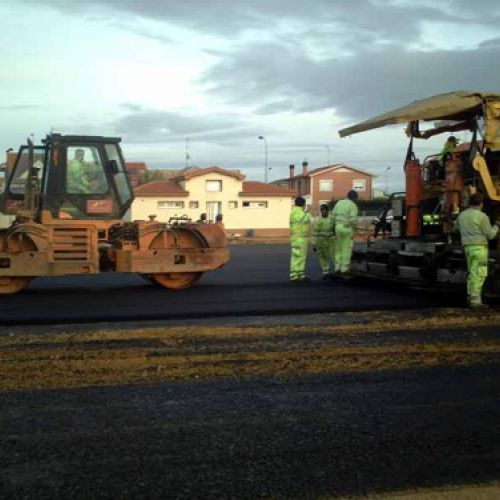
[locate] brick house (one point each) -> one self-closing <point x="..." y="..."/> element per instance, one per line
<point x="134" y="170"/>
<point x="326" y="183"/>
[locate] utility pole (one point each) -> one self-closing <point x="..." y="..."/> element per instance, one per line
<point x="266" y="157"/>
<point x="187" y="152"/>
<point x="387" y="180"/>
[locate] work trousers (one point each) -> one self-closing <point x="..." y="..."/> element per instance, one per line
<point x="325" y="251"/>
<point x="477" y="269"/>
<point x="344" y="240"/>
<point x="298" y="257"/>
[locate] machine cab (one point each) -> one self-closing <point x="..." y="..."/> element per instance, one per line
<point x="72" y="177"/>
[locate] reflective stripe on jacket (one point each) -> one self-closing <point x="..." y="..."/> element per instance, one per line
<point x="345" y="212"/>
<point x="322" y="229"/>
<point x="299" y="222"/>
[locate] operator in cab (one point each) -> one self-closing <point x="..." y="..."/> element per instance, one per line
<point x="77" y="179"/>
<point x="299" y="239"/>
<point x="449" y="147"/>
<point x="475" y="231"/>
<point x="344" y="218"/>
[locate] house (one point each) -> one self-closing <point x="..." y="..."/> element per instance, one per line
<point x="245" y="205"/>
<point x="328" y="183"/>
<point x="134" y="170"/>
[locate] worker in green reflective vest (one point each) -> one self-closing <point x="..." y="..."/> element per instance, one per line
<point x="449" y="147"/>
<point x="299" y="236"/>
<point x="345" y="218"/>
<point x="475" y="231"/>
<point x="323" y="241"/>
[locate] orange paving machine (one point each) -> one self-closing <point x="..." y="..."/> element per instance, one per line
<point x="68" y="196"/>
<point x="418" y="243"/>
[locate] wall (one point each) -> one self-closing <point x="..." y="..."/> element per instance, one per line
<point x="301" y="185"/>
<point x="276" y="215"/>
<point x="342" y="183"/>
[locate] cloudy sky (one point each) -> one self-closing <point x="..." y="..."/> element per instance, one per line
<point x="223" y="72"/>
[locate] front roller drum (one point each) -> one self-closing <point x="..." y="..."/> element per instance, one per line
<point x="16" y="243"/>
<point x="13" y="284"/>
<point x="182" y="238"/>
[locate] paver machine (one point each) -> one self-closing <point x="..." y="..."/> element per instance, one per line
<point x="68" y="196"/>
<point x="422" y="246"/>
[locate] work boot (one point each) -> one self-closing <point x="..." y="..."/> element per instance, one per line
<point x="300" y="280"/>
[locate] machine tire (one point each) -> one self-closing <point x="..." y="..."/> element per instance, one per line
<point x="176" y="281"/>
<point x="17" y="243"/>
<point x="183" y="238"/>
<point x="13" y="284"/>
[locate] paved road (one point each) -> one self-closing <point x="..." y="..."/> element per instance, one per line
<point x="254" y="282"/>
<point x="306" y="437"/>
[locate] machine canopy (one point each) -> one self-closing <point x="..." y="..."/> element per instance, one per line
<point x="454" y="106"/>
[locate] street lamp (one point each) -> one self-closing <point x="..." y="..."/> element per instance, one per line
<point x="261" y="137"/>
<point x="328" y="150"/>
<point x="387" y="180"/>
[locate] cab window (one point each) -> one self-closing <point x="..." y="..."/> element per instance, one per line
<point x="18" y="183"/>
<point x="122" y="185"/>
<point x="84" y="171"/>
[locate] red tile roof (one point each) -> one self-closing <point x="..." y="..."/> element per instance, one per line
<point x="196" y="172"/>
<point x="160" y="188"/>
<point x="252" y="188"/>
<point x="135" y="165"/>
<point x="334" y="167"/>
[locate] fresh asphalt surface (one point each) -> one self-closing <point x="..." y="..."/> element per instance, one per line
<point x="254" y="282"/>
<point x="307" y="437"/>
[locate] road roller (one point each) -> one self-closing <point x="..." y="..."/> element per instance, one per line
<point x="415" y="240"/>
<point x="68" y="197"/>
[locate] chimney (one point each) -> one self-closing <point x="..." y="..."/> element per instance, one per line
<point x="292" y="171"/>
<point x="304" y="167"/>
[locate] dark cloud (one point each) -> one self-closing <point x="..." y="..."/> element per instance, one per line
<point x="146" y="126"/>
<point x="357" y="86"/>
<point x="280" y="106"/>
<point x="131" y="28"/>
<point x="350" y="56"/>
<point x="360" y="18"/>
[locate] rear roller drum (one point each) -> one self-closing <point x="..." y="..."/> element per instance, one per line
<point x="183" y="238"/>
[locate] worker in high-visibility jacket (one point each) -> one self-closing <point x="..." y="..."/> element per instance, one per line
<point x="323" y="241"/>
<point x="299" y="238"/>
<point x="77" y="179"/>
<point x="475" y="231"/>
<point x="344" y="218"/>
<point x="449" y="147"/>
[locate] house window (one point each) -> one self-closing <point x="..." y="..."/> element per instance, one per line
<point x="213" y="186"/>
<point x="359" y="184"/>
<point x="193" y="204"/>
<point x="255" y="204"/>
<point x="170" y="204"/>
<point x="233" y="204"/>
<point x="326" y="186"/>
